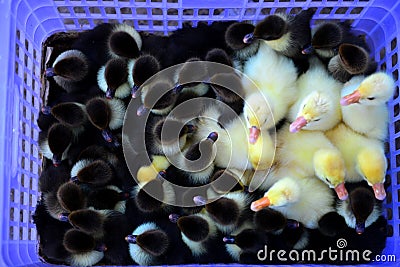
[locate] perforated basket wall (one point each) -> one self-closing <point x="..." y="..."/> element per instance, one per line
<point x="25" y="24"/>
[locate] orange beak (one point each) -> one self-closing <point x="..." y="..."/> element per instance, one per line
<point x="254" y="134"/>
<point x="299" y="123"/>
<point x="379" y="191"/>
<point x="341" y="191"/>
<point x="260" y="204"/>
<point x="351" y="98"/>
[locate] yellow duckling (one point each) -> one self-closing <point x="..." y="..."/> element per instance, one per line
<point x="366" y="98"/>
<point x="305" y="200"/>
<point x="150" y="172"/>
<point x="364" y="157"/>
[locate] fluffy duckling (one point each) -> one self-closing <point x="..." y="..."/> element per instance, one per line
<point x="149" y="244"/>
<point x="93" y="43"/>
<point x="364" y="157"/>
<point x="287" y="34"/>
<point x="71" y="114"/>
<point x="361" y="209"/>
<point x="371" y="94"/>
<point x="351" y="60"/>
<point x="83" y="248"/>
<point x="71" y="70"/>
<point x="197" y="162"/>
<point x="168" y="136"/>
<point x="93" y="172"/>
<point x="124" y="41"/>
<point x="270" y="88"/>
<point x="236" y="37"/>
<point x="51" y="233"/>
<point x="229" y="211"/>
<point x="55" y="143"/>
<point x="159" y="96"/>
<point x="290" y="197"/>
<point x="273" y="221"/>
<point x="190" y="76"/>
<point x="112" y="78"/>
<point x="106" y="115"/>
<point x="110" y="197"/>
<point x="145" y="67"/>
<point x="328" y="36"/>
<point x="199" y="233"/>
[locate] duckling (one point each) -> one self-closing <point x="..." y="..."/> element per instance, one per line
<point x="55" y="143"/>
<point x="71" y="197"/>
<point x="288" y="195"/>
<point x="236" y="37"/>
<point x="287" y="34"/>
<point x="351" y="60"/>
<point x="71" y="114"/>
<point x="158" y="96"/>
<point x="52" y="177"/>
<point x="110" y="197"/>
<point x="199" y="233"/>
<point x="112" y="78"/>
<point x="364" y="157"/>
<point x="124" y="41"/>
<point x="361" y="209"/>
<point x="270" y="88"/>
<point x="371" y="94"/>
<point x="197" y="162"/>
<point x="149" y="244"/>
<point x="93" y="43"/>
<point x="168" y="136"/>
<point x="219" y="55"/>
<point x="83" y="248"/>
<point x="229" y="211"/>
<point x="71" y="70"/>
<point x="145" y="67"/>
<point x="149" y="172"/>
<point x="273" y="221"/>
<point x="51" y="233"/>
<point x="328" y="36"/>
<point x="93" y="172"/>
<point x="106" y="115"/>
<point x="190" y="77"/>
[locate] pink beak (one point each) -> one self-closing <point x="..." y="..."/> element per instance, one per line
<point x="254" y="134"/>
<point x="299" y="123"/>
<point x="341" y="191"/>
<point x="379" y="191"/>
<point x="350" y="98"/>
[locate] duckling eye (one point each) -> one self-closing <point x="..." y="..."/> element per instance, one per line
<point x="371" y="98"/>
<point x="326" y="179"/>
<point x="317" y="119"/>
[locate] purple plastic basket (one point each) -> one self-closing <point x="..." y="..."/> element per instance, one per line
<point x="27" y="23"/>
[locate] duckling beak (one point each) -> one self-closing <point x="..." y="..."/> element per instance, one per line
<point x="228" y="239"/>
<point x="110" y="93"/>
<point x="56" y="160"/>
<point x="292" y="224"/>
<point x="341" y="191"/>
<point x="49" y="72"/>
<point x="141" y="110"/>
<point x="101" y="247"/>
<point x="191" y="128"/>
<point x="46" y="110"/>
<point x="63" y="217"/>
<point x="107" y="135"/>
<point x="308" y="50"/>
<point x="351" y="98"/>
<point x="299" y="123"/>
<point x="134" y="90"/>
<point x="131" y="239"/>
<point x="254" y="134"/>
<point x="200" y="201"/>
<point x="248" y="38"/>
<point x="260" y="204"/>
<point x="174" y="217"/>
<point x="360" y="227"/>
<point x="379" y="191"/>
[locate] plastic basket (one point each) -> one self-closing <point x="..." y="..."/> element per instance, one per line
<point x="25" y="24"/>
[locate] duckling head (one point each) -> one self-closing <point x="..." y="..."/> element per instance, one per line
<point x="362" y="204"/>
<point x="59" y="139"/>
<point x="115" y="75"/>
<point x="71" y="65"/>
<point x="284" y="192"/>
<point x="124" y="41"/>
<point x="258" y="116"/>
<point x="76" y="241"/>
<point x="376" y="89"/>
<point x="330" y="168"/>
<point x="317" y="112"/>
<point x="236" y="33"/>
<point x="145" y="67"/>
<point x="372" y="166"/>
<point x="271" y="28"/>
